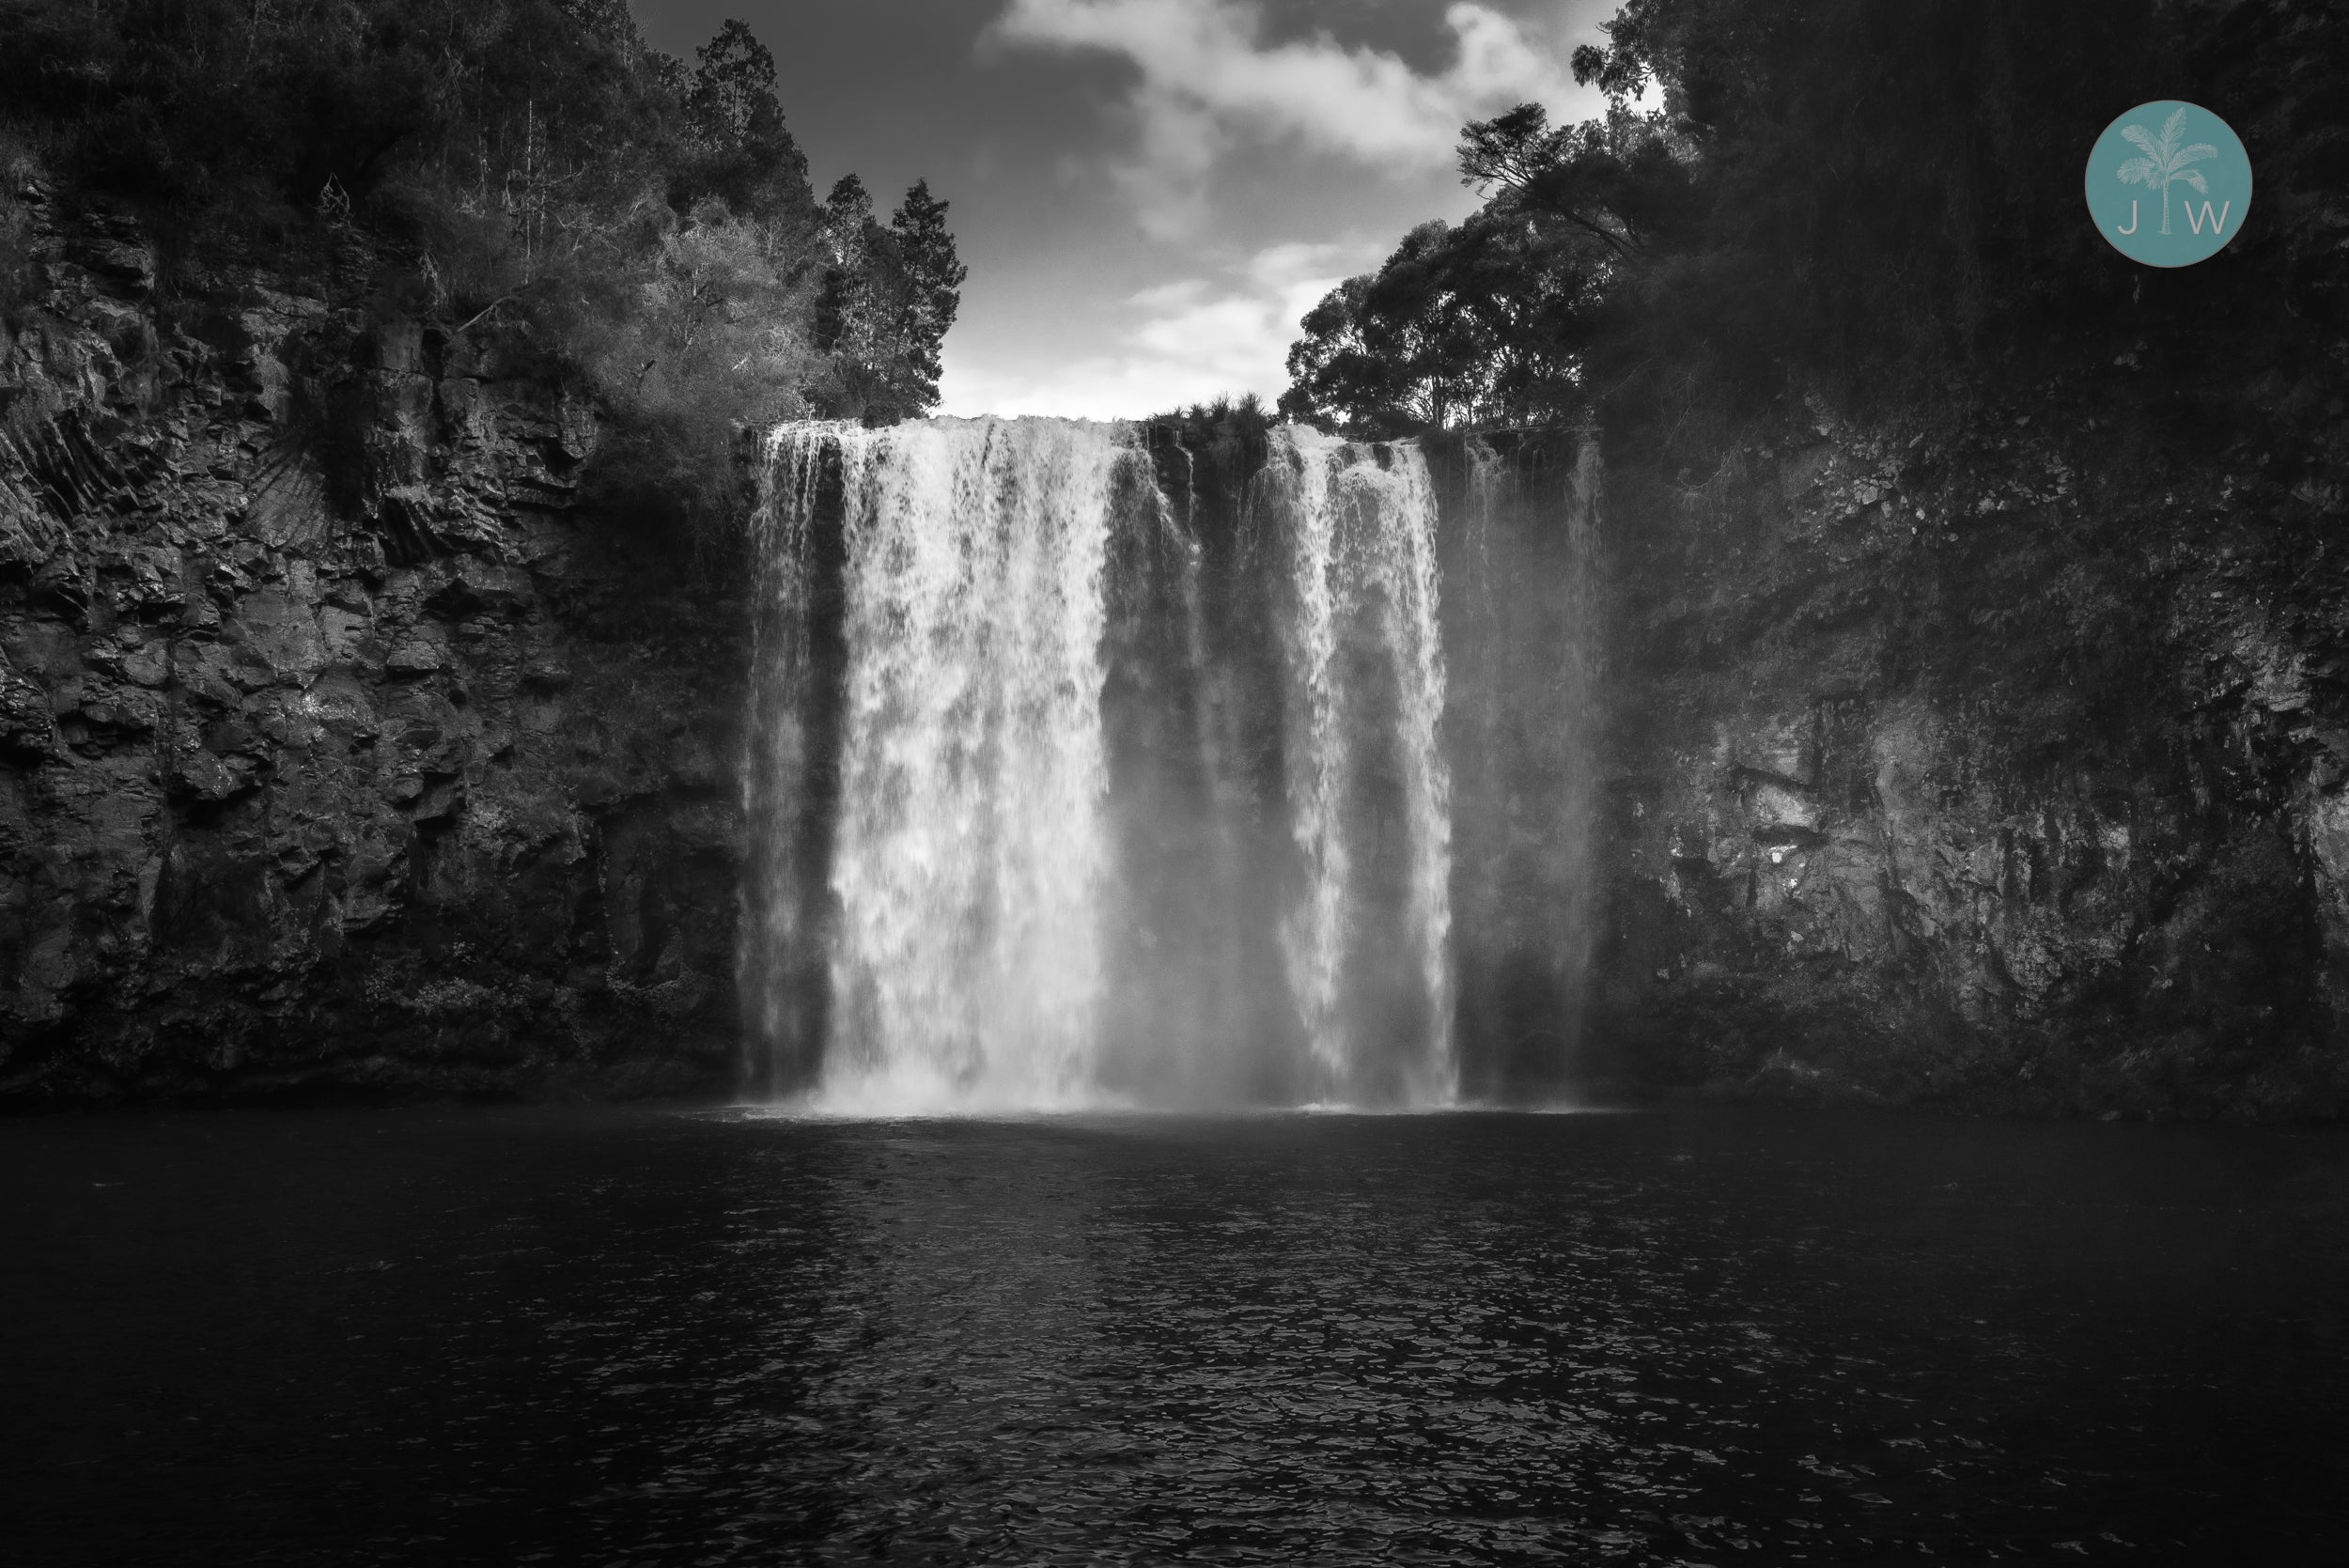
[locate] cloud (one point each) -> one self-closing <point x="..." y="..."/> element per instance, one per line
<point x="1187" y="341"/>
<point x="1208" y="83"/>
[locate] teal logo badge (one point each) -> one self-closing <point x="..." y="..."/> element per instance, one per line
<point x="2169" y="184"/>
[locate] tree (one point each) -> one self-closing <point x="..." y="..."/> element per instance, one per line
<point x="889" y="295"/>
<point x="933" y="274"/>
<point x="1510" y="150"/>
<point x="847" y="222"/>
<point x="745" y="154"/>
<point x="527" y="172"/>
<point x="846" y="324"/>
<point x="1336" y="375"/>
<point x="1480" y="325"/>
<point x="732" y="96"/>
<point x="1492" y="321"/>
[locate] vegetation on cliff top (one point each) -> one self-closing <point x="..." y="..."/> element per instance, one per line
<point x="528" y="167"/>
<point x="1827" y="197"/>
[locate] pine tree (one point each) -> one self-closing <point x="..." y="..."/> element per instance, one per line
<point x="932" y="285"/>
<point x="889" y="295"/>
<point x="733" y="94"/>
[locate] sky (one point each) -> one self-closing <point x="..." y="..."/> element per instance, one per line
<point x="1149" y="193"/>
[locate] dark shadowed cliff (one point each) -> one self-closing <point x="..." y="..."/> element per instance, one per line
<point x="339" y="748"/>
<point x="1995" y="764"/>
<point x="1979" y="689"/>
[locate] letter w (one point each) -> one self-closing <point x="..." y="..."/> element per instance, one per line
<point x="2195" y="220"/>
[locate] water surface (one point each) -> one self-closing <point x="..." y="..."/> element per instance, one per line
<point x="644" y="1337"/>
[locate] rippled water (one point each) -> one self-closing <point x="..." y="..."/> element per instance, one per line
<point x="644" y="1337"/>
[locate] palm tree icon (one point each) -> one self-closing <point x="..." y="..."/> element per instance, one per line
<point x="2166" y="161"/>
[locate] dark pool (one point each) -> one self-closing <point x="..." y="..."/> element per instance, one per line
<point x="649" y="1337"/>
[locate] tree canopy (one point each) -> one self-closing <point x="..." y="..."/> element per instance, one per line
<point x="1823" y="195"/>
<point x="536" y="164"/>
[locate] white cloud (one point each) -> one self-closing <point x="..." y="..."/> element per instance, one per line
<point x="1209" y="84"/>
<point x="1188" y="341"/>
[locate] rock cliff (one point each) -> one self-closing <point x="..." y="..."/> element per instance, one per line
<point x="1995" y="761"/>
<point x="343" y="745"/>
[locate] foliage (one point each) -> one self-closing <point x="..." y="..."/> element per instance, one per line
<point x="1475" y="325"/>
<point x="1242" y="419"/>
<point x="889" y="294"/>
<point x="1489" y="322"/>
<point x="1804" y="197"/>
<point x="543" y="171"/>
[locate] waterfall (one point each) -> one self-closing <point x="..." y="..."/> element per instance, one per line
<point x="1060" y="796"/>
<point x="1181" y="1027"/>
<point x="970" y="854"/>
<point x="1368" y="942"/>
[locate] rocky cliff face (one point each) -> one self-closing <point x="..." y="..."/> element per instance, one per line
<point x="340" y="748"/>
<point x="1996" y="762"/>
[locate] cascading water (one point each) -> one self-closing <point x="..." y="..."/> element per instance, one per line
<point x="1522" y="648"/>
<point x="969" y="855"/>
<point x="1062" y="797"/>
<point x="1368" y="944"/>
<point x="782" y="996"/>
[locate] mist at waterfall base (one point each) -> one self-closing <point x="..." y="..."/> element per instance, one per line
<point x="1082" y="778"/>
<point x="633" y="1337"/>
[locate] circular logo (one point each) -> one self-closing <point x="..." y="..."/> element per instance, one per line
<point x="2169" y="184"/>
